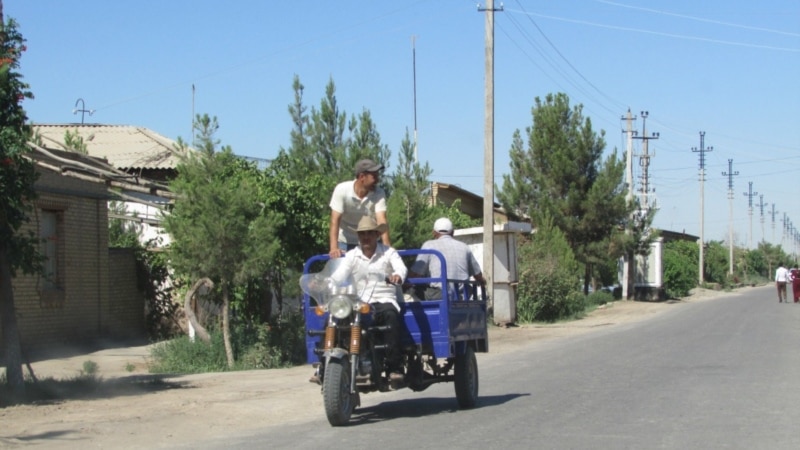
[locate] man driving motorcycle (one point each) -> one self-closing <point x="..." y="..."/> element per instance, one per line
<point x="373" y="257"/>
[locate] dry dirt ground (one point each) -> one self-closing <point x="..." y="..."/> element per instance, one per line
<point x="135" y="409"/>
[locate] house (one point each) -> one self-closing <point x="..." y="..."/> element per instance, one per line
<point x="141" y="153"/>
<point x="86" y="291"/>
<point x="471" y="204"/>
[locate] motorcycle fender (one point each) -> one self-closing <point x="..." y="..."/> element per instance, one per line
<point x="335" y="353"/>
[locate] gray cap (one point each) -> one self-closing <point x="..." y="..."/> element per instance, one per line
<point x="368" y="165"/>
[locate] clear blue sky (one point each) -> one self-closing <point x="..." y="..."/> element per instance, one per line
<point x="729" y="68"/>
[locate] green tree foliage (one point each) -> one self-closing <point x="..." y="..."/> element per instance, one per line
<point x="715" y="260"/>
<point x="220" y="226"/>
<point x="681" y="259"/>
<point x="410" y="198"/>
<point x="326" y="142"/>
<point x="303" y="228"/>
<point x="757" y="264"/>
<point x="18" y="250"/>
<point x="561" y="175"/>
<point x="548" y="285"/>
<point x="74" y="142"/>
<point x="772" y="256"/>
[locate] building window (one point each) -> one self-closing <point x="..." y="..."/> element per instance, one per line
<point x="51" y="249"/>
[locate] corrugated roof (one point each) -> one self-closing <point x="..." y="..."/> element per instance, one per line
<point x="123" y="146"/>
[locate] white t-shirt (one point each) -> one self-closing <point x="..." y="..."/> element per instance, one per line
<point x="782" y="275"/>
<point x="345" y="201"/>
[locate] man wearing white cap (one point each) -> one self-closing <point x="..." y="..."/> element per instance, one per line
<point x="461" y="263"/>
<point x="353" y="199"/>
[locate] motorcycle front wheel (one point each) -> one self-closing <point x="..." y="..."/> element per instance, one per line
<point x="339" y="402"/>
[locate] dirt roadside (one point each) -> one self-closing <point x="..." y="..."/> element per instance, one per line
<point x="140" y="410"/>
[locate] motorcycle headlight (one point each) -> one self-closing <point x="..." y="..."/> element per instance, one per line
<point x="340" y="306"/>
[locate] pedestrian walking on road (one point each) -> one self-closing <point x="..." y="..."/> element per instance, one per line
<point x="794" y="275"/>
<point x="781" y="278"/>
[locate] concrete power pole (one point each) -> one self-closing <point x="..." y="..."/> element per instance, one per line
<point x="629" y="258"/>
<point x="644" y="161"/>
<point x="761" y="205"/>
<point x="750" y="194"/>
<point x="414" y="70"/>
<point x="774" y="211"/>
<point x="702" y="174"/>
<point x="504" y="317"/>
<point x="730" y="174"/>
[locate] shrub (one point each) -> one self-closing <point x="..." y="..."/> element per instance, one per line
<point x="680" y="271"/>
<point x="181" y="355"/>
<point x="598" y="298"/>
<point x="279" y="343"/>
<point x="546" y="292"/>
<point x="548" y="289"/>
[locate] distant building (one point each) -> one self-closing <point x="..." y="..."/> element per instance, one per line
<point x="471" y="204"/>
<point x="141" y="153"/>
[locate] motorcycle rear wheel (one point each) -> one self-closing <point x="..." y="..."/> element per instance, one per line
<point x="466" y="379"/>
<point x="339" y="402"/>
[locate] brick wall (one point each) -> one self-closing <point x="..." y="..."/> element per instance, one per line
<point x="82" y="307"/>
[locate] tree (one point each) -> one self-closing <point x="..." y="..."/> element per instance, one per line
<point x="547" y="276"/>
<point x="326" y="142"/>
<point x="680" y="257"/>
<point x="561" y="175"/>
<point x="303" y="230"/>
<point x="220" y="227"/>
<point x="409" y="198"/>
<point x="18" y="250"/>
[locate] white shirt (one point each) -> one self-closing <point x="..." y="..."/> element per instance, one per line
<point x="345" y="201"/>
<point x="782" y="275"/>
<point x="386" y="261"/>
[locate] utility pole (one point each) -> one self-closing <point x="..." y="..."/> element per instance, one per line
<point x="501" y="316"/>
<point x="644" y="161"/>
<point x="629" y="154"/>
<point x="750" y="194"/>
<point x="730" y="174"/>
<point x="414" y="68"/>
<point x="761" y="208"/>
<point x="702" y="174"/>
<point x="774" y="211"/>
<point x="630" y="258"/>
<point x="787" y="227"/>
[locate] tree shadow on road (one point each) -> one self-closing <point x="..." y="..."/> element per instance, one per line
<point x="422" y="407"/>
<point x="87" y="387"/>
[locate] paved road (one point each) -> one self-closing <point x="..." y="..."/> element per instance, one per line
<point x="724" y="373"/>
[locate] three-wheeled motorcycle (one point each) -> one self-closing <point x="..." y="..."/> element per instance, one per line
<point x="438" y="337"/>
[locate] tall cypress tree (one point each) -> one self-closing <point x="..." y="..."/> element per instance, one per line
<point x="562" y="174"/>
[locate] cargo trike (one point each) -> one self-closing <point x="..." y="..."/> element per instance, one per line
<point x="438" y="337"/>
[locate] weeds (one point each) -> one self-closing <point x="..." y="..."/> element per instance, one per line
<point x="279" y="343"/>
<point x="90" y="368"/>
